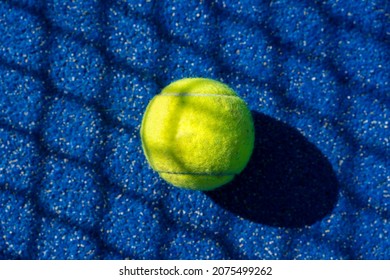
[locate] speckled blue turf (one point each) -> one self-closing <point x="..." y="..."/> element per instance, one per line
<point x="76" y="77"/>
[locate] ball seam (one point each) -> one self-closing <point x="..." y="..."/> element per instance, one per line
<point x="197" y="94"/>
<point x="197" y="173"/>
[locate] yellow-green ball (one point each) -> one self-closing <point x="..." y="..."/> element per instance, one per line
<point x="197" y="134"/>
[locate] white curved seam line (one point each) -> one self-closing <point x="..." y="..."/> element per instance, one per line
<point x="197" y="173"/>
<point x="197" y="94"/>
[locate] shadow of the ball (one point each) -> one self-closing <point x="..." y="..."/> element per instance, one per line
<point x="288" y="182"/>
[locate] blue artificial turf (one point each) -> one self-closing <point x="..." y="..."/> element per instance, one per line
<point x="76" y="77"/>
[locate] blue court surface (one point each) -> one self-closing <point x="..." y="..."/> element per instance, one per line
<point x="76" y="77"/>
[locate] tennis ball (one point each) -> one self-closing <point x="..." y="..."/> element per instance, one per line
<point x="197" y="134"/>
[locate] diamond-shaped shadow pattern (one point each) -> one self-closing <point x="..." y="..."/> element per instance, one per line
<point x="76" y="77"/>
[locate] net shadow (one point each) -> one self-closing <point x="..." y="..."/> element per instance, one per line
<point x="288" y="182"/>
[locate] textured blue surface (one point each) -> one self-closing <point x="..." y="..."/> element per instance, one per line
<point x="76" y="76"/>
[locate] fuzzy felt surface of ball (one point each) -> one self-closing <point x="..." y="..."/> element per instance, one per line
<point x="197" y="134"/>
